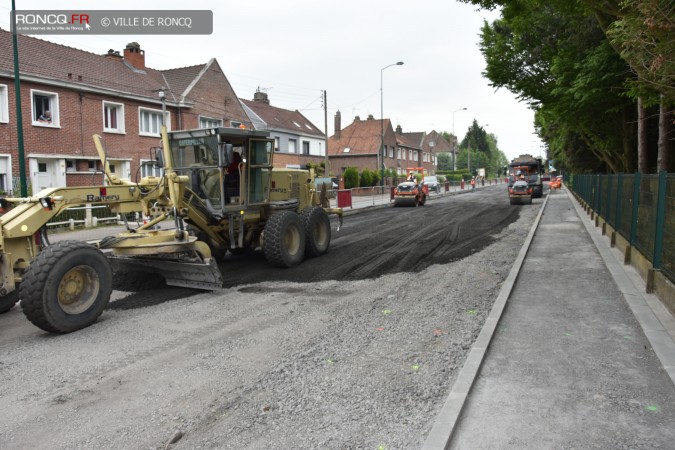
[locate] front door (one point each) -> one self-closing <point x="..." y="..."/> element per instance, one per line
<point x="44" y="174"/>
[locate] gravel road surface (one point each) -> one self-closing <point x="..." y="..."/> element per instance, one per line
<point x="354" y="349"/>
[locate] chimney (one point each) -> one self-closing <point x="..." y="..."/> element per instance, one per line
<point x="370" y="117"/>
<point x="134" y="55"/>
<point x="113" y="54"/>
<point x="261" y="97"/>
<point x="338" y="125"/>
<point x="357" y="119"/>
<point x="399" y="130"/>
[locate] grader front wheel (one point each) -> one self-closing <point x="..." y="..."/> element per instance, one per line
<point x="66" y="287"/>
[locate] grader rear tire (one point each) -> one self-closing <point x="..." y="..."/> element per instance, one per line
<point x="284" y="239"/>
<point x="66" y="287"/>
<point x="8" y="301"/>
<point x="317" y="230"/>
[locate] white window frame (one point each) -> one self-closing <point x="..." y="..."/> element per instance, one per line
<point x="141" y="132"/>
<point x="213" y="122"/>
<point x="146" y="167"/>
<point x="120" y="117"/>
<point x="295" y="146"/>
<point x="53" y="108"/>
<point x="4" y="104"/>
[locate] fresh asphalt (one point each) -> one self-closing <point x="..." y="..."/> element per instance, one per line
<point x="573" y="355"/>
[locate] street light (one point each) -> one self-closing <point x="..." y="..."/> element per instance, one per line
<point x="454" y="147"/>
<point x="400" y="63"/>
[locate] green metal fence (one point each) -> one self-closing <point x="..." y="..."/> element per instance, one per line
<point x="639" y="207"/>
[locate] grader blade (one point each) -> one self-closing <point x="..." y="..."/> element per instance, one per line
<point x="196" y="275"/>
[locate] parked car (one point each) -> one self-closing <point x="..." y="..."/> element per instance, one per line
<point x="432" y="182"/>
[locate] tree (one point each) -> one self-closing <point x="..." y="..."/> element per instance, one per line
<point x="583" y="66"/>
<point x="444" y="161"/>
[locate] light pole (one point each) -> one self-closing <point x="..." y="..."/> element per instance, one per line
<point x="454" y="147"/>
<point x="400" y="63"/>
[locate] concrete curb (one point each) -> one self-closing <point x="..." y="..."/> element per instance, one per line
<point x="656" y="321"/>
<point x="444" y="426"/>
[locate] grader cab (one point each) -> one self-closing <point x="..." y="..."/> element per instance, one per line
<point x="219" y="187"/>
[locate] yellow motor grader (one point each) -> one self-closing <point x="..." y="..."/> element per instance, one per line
<point x="218" y="186"/>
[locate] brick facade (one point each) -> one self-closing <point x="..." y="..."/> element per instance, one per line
<point x="67" y="146"/>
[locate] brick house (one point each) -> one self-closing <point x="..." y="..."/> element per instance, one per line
<point x="434" y="144"/>
<point x="429" y="144"/>
<point x="358" y="145"/>
<point x="297" y="140"/>
<point x="114" y="95"/>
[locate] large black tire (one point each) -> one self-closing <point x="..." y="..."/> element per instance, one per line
<point x="284" y="239"/>
<point x="317" y="230"/>
<point x="8" y="301"/>
<point x="66" y="287"/>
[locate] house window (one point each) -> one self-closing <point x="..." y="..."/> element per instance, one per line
<point x="150" y="122"/>
<point x="112" y="168"/>
<point x="70" y="165"/>
<point x="42" y="167"/>
<point x="4" y="104"/>
<point x="305" y="147"/>
<point x="235" y="124"/>
<point x="292" y="146"/>
<point x="410" y="155"/>
<point x="391" y="152"/>
<point x="276" y="143"/>
<point x="346" y="150"/>
<point x="113" y="117"/>
<point x="150" y="169"/>
<point x="91" y="166"/>
<point x="45" y="108"/>
<point x="207" y="122"/>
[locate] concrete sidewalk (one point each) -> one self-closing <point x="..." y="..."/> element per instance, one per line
<point x="574" y="355"/>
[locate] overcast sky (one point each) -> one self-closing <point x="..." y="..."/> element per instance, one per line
<point x="294" y="49"/>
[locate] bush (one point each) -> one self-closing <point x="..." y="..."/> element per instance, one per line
<point x="366" y="178"/>
<point x="351" y="177"/>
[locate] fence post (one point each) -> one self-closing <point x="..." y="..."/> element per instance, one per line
<point x="660" y="220"/>
<point x="617" y="207"/>
<point x="608" y="204"/>
<point x="598" y="197"/>
<point x="87" y="215"/>
<point x="636" y="200"/>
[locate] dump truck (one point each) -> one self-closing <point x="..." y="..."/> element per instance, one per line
<point x="531" y="169"/>
<point x="218" y="189"/>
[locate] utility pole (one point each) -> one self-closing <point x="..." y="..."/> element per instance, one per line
<point x="325" y="124"/>
<point x="19" y="117"/>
